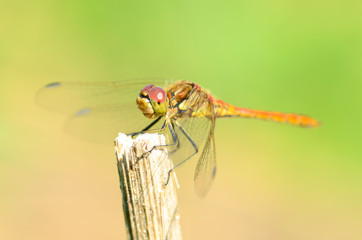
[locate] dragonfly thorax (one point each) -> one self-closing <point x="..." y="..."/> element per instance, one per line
<point x="152" y="101"/>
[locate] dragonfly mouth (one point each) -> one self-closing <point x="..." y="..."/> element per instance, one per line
<point x="144" y="103"/>
<point x="144" y="95"/>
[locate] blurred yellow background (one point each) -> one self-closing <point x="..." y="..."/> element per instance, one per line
<point x="273" y="182"/>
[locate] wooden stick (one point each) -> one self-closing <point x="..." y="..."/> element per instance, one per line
<point x="149" y="206"/>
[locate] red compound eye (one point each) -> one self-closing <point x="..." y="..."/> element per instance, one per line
<point x="147" y="88"/>
<point x="157" y="94"/>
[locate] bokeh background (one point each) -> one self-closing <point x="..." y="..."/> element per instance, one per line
<point x="273" y="182"/>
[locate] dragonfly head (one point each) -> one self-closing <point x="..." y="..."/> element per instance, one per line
<point x="152" y="101"/>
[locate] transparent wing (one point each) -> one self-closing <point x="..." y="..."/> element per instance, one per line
<point x="98" y="110"/>
<point x="192" y="134"/>
<point x="70" y="97"/>
<point x="193" y="130"/>
<point x="200" y="131"/>
<point x="206" y="169"/>
<point x="102" y="124"/>
<point x="198" y="125"/>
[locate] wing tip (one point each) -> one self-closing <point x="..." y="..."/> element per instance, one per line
<point x="82" y="112"/>
<point x="53" y="85"/>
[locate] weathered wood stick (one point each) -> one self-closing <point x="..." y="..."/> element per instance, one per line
<point x="149" y="206"/>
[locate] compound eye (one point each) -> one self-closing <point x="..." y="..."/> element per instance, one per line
<point x="147" y="88"/>
<point x="157" y="94"/>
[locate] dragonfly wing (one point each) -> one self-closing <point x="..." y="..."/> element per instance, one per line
<point x="70" y="97"/>
<point x="97" y="110"/>
<point x="206" y="168"/>
<point x="198" y="124"/>
<point x="195" y="129"/>
<point x="102" y="124"/>
<point x="191" y="134"/>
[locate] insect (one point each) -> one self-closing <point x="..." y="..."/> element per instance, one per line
<point x="183" y="111"/>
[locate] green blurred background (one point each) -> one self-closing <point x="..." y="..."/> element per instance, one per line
<point x="273" y="182"/>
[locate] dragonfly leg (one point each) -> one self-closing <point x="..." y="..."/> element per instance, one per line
<point x="174" y="143"/>
<point x="146" y="129"/>
<point x="186" y="159"/>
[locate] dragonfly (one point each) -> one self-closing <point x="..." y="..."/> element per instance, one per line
<point x="181" y="110"/>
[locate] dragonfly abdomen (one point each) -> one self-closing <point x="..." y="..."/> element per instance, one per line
<point x="223" y="109"/>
